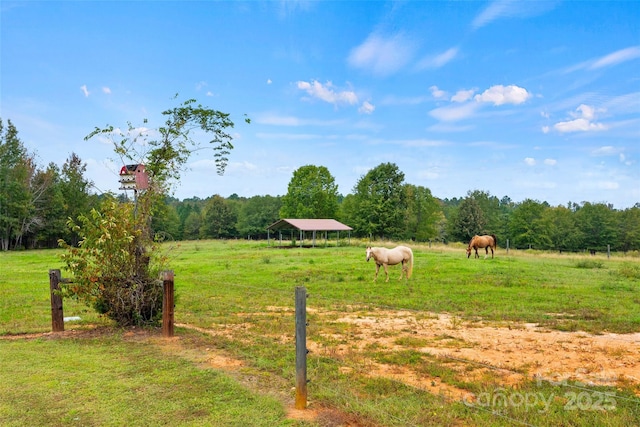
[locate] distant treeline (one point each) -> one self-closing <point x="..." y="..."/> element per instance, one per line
<point x="36" y="203"/>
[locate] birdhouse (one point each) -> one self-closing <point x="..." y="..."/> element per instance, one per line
<point x="133" y="177"/>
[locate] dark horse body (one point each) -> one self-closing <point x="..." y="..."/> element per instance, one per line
<point x="478" y="242"/>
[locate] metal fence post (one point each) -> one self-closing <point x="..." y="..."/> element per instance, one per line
<point x="301" y="347"/>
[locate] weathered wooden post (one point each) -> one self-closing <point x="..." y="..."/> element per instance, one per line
<point x="167" y="303"/>
<point x="57" y="314"/>
<point x="301" y="347"/>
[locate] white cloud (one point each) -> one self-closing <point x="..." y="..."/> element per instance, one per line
<point x="606" y="150"/>
<point x="383" y="56"/>
<point x="582" y="122"/>
<point x="530" y="161"/>
<point x="463" y="95"/>
<point x="499" y="94"/>
<point x="578" y="125"/>
<point x="550" y="162"/>
<point x="327" y="93"/>
<point x="510" y="9"/>
<point x="440" y="60"/>
<point x="85" y="91"/>
<point x="437" y="93"/>
<point x="106" y="90"/>
<point x="617" y="57"/>
<point x="454" y="113"/>
<point x="366" y="108"/>
<point x="269" y="81"/>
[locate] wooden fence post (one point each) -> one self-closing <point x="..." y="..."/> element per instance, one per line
<point x="57" y="315"/>
<point x="167" y="303"/>
<point x="301" y="347"/>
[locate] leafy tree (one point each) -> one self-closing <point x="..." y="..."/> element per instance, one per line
<point x="166" y="222"/>
<point x="597" y="222"/>
<point x="109" y="272"/>
<point x="629" y="232"/>
<point x="423" y="213"/>
<point x="219" y="219"/>
<point x="312" y="193"/>
<point x="562" y="229"/>
<point x="380" y="202"/>
<point x="74" y="188"/>
<point x="192" y="225"/>
<point x="527" y="227"/>
<point x="256" y="214"/>
<point x="49" y="208"/>
<point x="17" y="172"/>
<point x="164" y="158"/>
<point x="468" y="221"/>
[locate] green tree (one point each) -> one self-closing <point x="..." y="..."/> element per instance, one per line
<point x="312" y="193"/>
<point x="219" y="219"/>
<point x="468" y="221"/>
<point x="423" y="214"/>
<point x="562" y="230"/>
<point x="527" y="226"/>
<point x="629" y="232"/>
<point x="17" y="170"/>
<point x="166" y="222"/>
<point x="109" y="272"/>
<point x="164" y="158"/>
<point x="74" y="187"/>
<point x="256" y="214"/>
<point x="598" y="225"/>
<point x="192" y="225"/>
<point x="380" y="202"/>
<point x="49" y="208"/>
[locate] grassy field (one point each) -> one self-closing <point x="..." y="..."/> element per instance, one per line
<point x="235" y="298"/>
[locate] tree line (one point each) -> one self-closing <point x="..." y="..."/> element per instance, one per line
<point x="37" y="202"/>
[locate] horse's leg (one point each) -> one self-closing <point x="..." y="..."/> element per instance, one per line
<point x="386" y="271"/>
<point x="375" y="278"/>
<point x="486" y="252"/>
<point x="477" y="256"/>
<point x="403" y="270"/>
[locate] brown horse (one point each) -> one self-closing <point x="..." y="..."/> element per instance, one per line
<point x="487" y="242"/>
<point x="386" y="257"/>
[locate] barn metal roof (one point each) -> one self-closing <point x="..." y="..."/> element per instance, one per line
<point x="309" y="225"/>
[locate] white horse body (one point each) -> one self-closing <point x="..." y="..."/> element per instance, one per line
<point x="386" y="257"/>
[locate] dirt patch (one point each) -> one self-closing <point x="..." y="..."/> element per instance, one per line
<point x="512" y="353"/>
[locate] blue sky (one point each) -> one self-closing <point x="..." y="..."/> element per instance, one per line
<point x="526" y="99"/>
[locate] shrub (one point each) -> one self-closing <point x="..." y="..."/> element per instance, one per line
<point x="111" y="268"/>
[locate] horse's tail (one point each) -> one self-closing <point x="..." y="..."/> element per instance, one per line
<point x="495" y="241"/>
<point x="411" y="266"/>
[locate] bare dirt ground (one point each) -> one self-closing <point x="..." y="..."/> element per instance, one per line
<point x="512" y="353"/>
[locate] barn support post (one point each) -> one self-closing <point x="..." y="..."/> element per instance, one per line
<point x="57" y="314"/>
<point x="301" y="347"/>
<point x="168" y="305"/>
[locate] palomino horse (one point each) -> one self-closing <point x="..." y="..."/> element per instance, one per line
<point x="386" y="257"/>
<point x="487" y="242"/>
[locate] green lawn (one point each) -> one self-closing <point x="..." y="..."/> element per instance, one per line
<point x="244" y="293"/>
